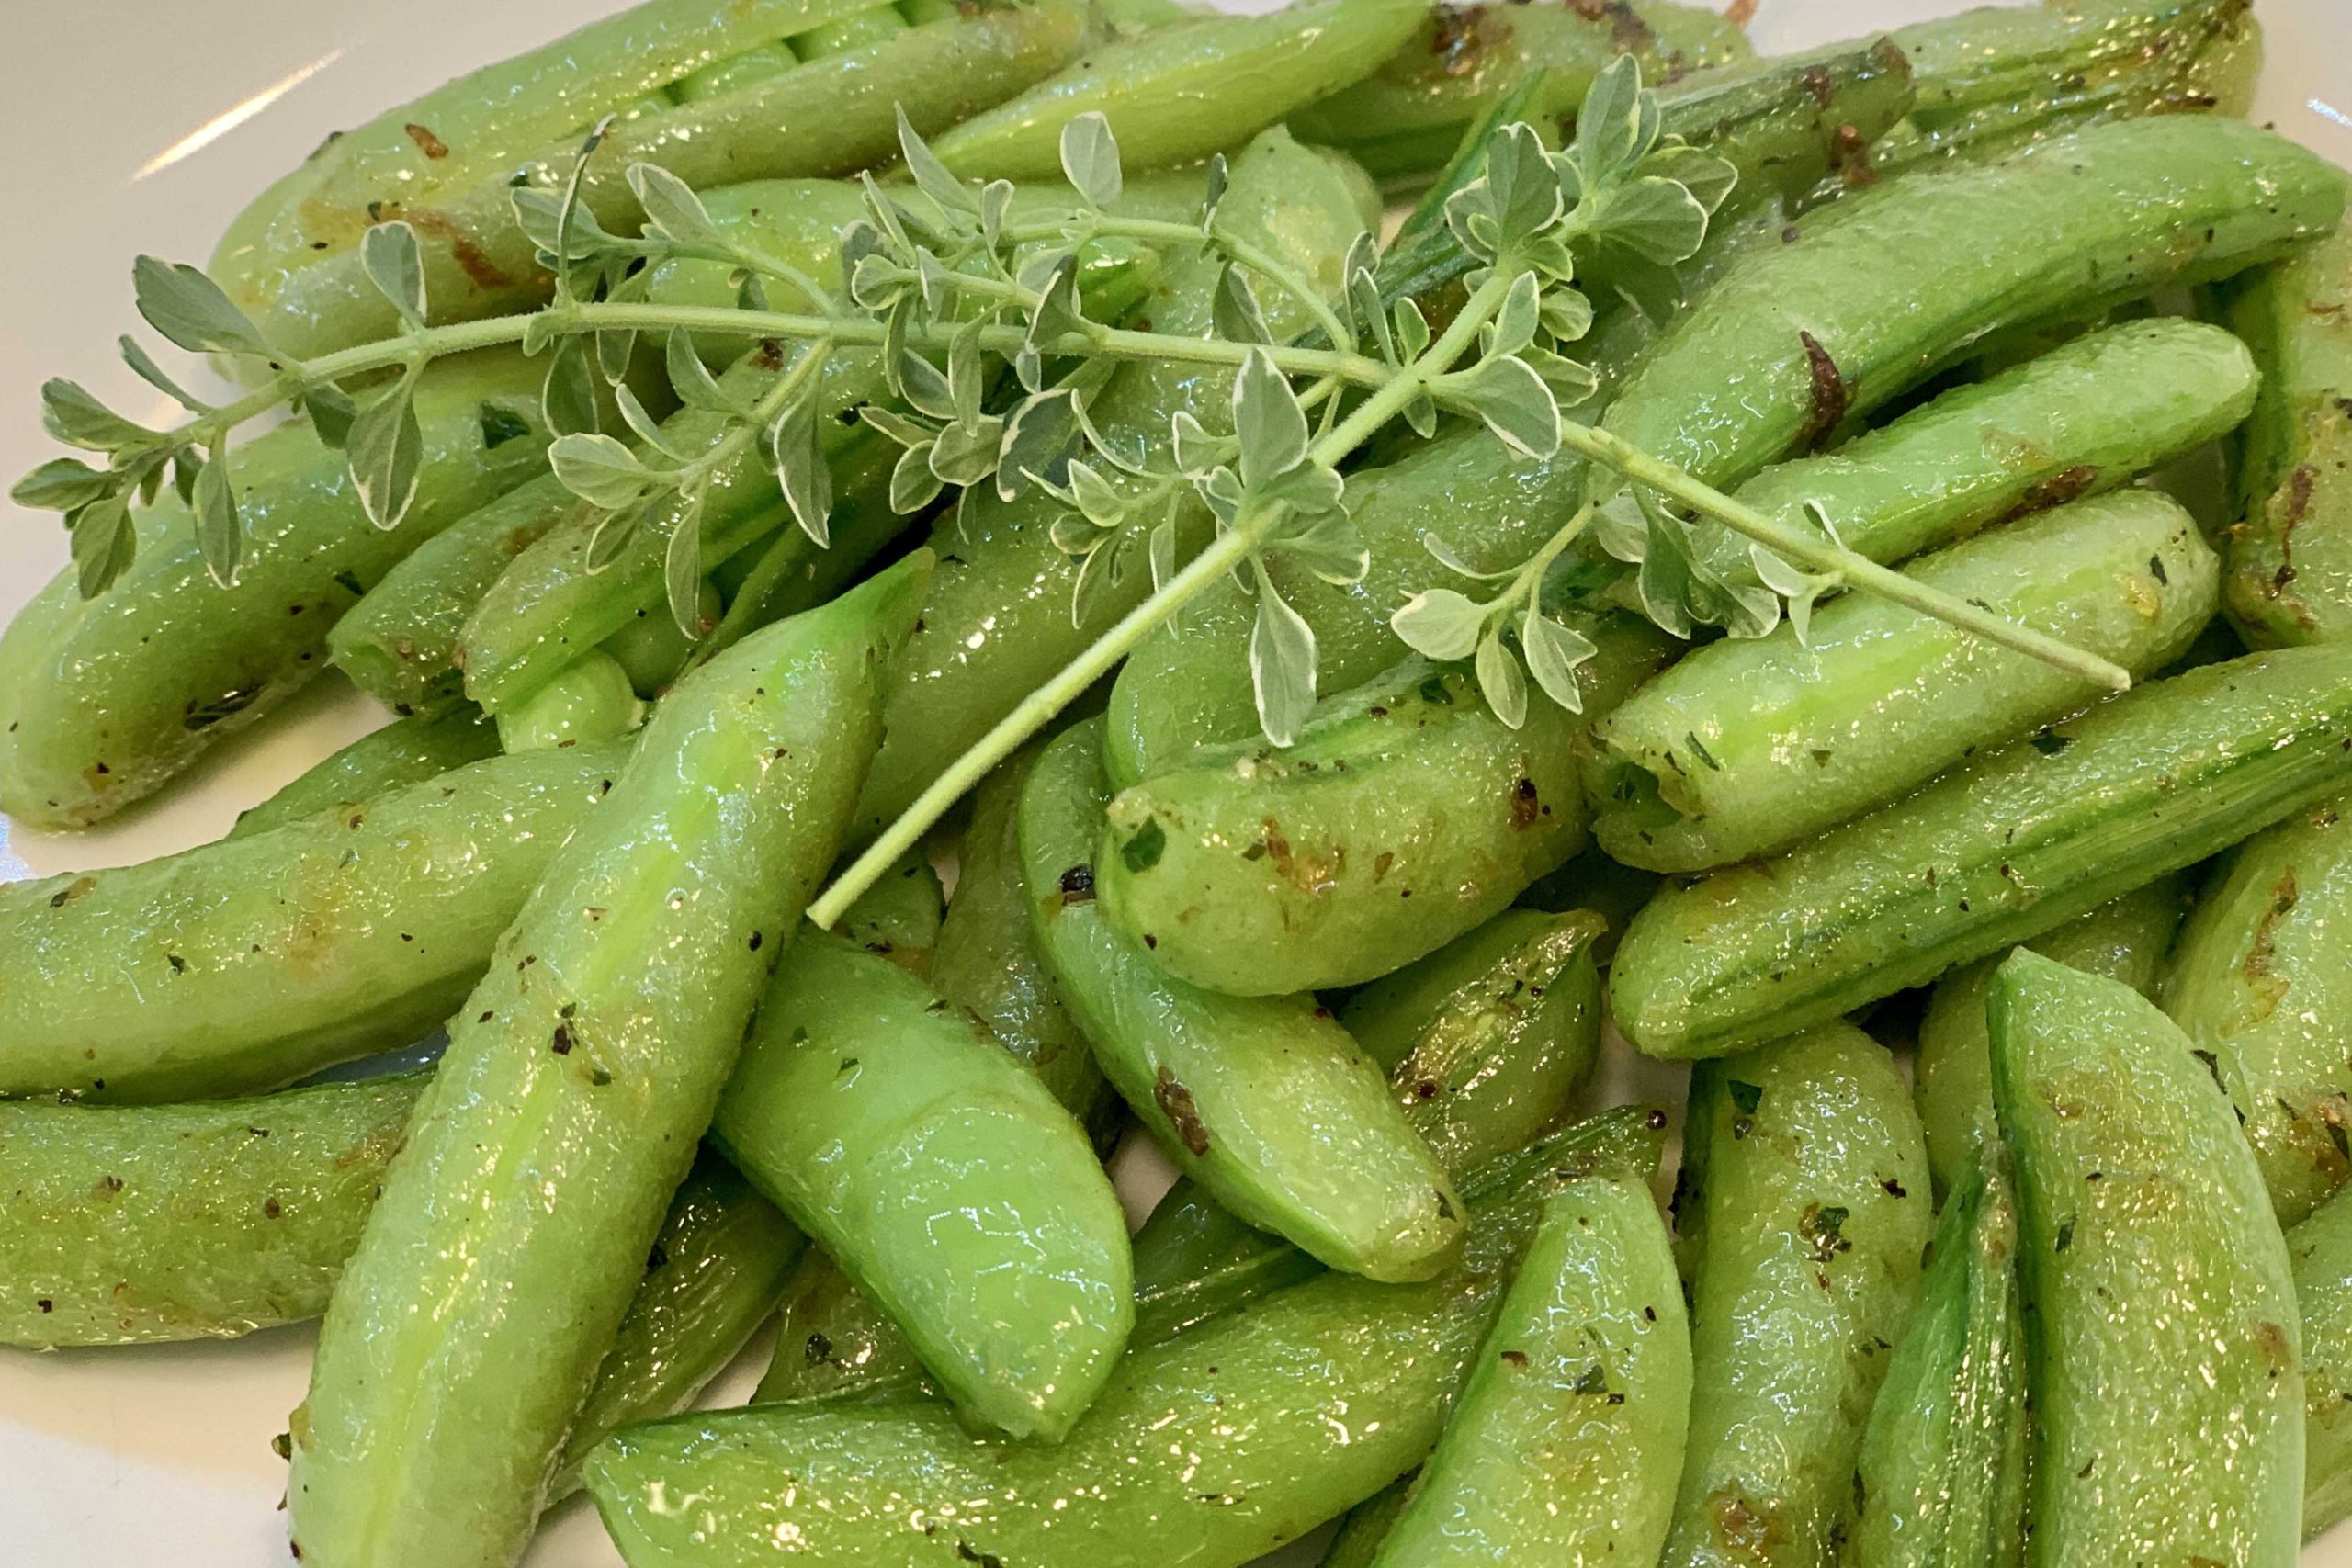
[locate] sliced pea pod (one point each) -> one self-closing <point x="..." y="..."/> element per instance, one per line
<point x="825" y="116"/>
<point x="2291" y="557"/>
<point x="246" y="964"/>
<point x="1321" y="1396"/>
<point x="2126" y="939"/>
<point x="1797" y="342"/>
<point x="1805" y="1196"/>
<point x="1995" y="853"/>
<point x="405" y="752"/>
<point x="1264" y="1100"/>
<point x="1405" y="116"/>
<point x="2158" y="1283"/>
<point x="1407" y="814"/>
<point x="1005" y="612"/>
<point x="1484" y="1042"/>
<point x="2321" y="1251"/>
<point x="119" y="1225"/>
<point x="1569" y="1434"/>
<point x="514" y="1228"/>
<point x="1750" y="745"/>
<point x="946" y="1182"/>
<point x="104" y="701"/>
<point x="1940" y="1481"/>
<point x="1152" y="87"/>
<point x="2257" y="984"/>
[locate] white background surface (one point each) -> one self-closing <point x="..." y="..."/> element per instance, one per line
<point x="141" y="125"/>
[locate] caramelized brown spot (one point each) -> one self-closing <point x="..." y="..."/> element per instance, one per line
<point x="1828" y="393"/>
<point x="1175" y="1102"/>
<point x="426" y="142"/>
<point x="471" y="258"/>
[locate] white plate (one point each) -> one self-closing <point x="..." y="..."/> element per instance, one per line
<point x="140" y="125"/>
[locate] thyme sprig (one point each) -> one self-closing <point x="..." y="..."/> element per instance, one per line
<point x="994" y="367"/>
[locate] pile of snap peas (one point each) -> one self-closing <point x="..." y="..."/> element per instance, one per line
<point x="2008" y="1225"/>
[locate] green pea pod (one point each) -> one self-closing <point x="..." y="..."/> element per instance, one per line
<point x="1995" y="853"/>
<point x="898" y="917"/>
<point x="1569" y="1433"/>
<point x="654" y="651"/>
<point x="1797" y="342"/>
<point x="1805" y="1195"/>
<point x="246" y="964"/>
<point x="1774" y="122"/>
<point x="1407" y="814"/>
<point x="2162" y="1299"/>
<point x="948" y="1183"/>
<point x="1405" y="116"/>
<point x="1749" y="746"/>
<point x="827" y="116"/>
<point x="2080" y="419"/>
<point x="1154" y="88"/>
<point x="513" y="1227"/>
<point x="2126" y="939"/>
<point x="711" y="1279"/>
<point x="405" y="752"/>
<point x="1005" y="614"/>
<point x="104" y="701"/>
<point x="119" y="1225"/>
<point x="1208" y="1451"/>
<point x="2321" y="1251"/>
<point x="1265" y="1101"/>
<point x="2255" y="984"/>
<point x="592" y="703"/>
<point x="834" y="1342"/>
<point x="1994" y="57"/>
<point x="2291" y="556"/>
<point x="1940" y="1481"/>
<point x="1484" y="1042"/>
<point x="1367" y="1527"/>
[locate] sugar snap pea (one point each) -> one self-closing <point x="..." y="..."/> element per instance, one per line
<point x="2254" y="985"/>
<point x="514" y="1225"/>
<point x="2291" y="571"/>
<point x="653" y="650"/>
<point x="246" y="964"/>
<point x="1995" y="853"/>
<point x="1264" y="1100"/>
<point x="103" y="701"/>
<point x="1805" y="1195"/>
<point x="590" y="703"/>
<point x="2126" y="939"/>
<point x="898" y="917"/>
<point x="1484" y="1042"/>
<point x="825" y="116"/>
<point x="2157" y="1285"/>
<point x="1941" y="1480"/>
<point x="119" y="1224"/>
<point x="405" y="752"/>
<point x="1407" y="814"/>
<point x="1003" y="615"/>
<point x="1750" y="745"/>
<point x="2319" y="1249"/>
<point x="1364" y="1530"/>
<point x="1322" y="1395"/>
<point x="1569" y="1432"/>
<point x="946" y="1182"/>
<point x="1152" y="86"/>
<point x="1405" y="116"/>
<point x="1796" y="342"/>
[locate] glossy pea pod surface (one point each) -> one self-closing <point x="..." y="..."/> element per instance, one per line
<point x="1941" y="1479"/>
<point x="2126" y="939"/>
<point x="1264" y="1100"/>
<point x="1407" y="814"/>
<point x="1748" y="746"/>
<point x="513" y="1231"/>
<point x="1798" y="341"/>
<point x="1805" y="1195"/>
<point x="945" y="1180"/>
<point x="2291" y="556"/>
<point x="1486" y="1042"/>
<point x="2321" y="1252"/>
<point x="405" y="752"/>
<point x="2167" y="1378"/>
<point x="1997" y="851"/>
<point x="2260" y="984"/>
<point x="1569" y="1432"/>
<point x="104" y="701"/>
<point x="1002" y="617"/>
<point x="246" y="964"/>
<point x="1205" y="1451"/>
